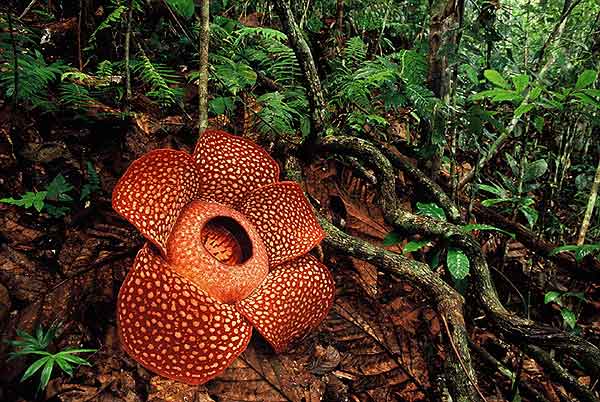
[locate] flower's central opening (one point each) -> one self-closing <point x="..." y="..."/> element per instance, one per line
<point x="226" y="240"/>
<point x="218" y="249"/>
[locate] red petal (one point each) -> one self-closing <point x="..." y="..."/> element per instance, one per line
<point x="293" y="298"/>
<point x="232" y="166"/>
<point x="172" y="327"/>
<point x="205" y="253"/>
<point x="154" y="190"/>
<point x="285" y="220"/>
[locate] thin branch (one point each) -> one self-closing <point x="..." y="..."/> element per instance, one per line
<point x="29" y="6"/>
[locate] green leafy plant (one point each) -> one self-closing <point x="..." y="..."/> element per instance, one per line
<point x="457" y="261"/>
<point x="93" y="184"/>
<point x="580" y="250"/>
<point x="37" y="345"/>
<point x="560" y="298"/>
<point x="52" y="200"/>
<point x="514" y="192"/>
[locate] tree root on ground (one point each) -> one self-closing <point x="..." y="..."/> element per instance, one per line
<point x="521" y="331"/>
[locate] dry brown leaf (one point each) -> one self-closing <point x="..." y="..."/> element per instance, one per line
<point x="260" y="375"/>
<point x="166" y="390"/>
<point x="381" y="356"/>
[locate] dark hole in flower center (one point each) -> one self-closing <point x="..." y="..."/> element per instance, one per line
<point x="226" y="240"/>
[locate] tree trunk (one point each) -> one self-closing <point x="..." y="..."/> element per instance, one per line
<point x="585" y="224"/>
<point x="444" y="36"/>
<point x="204" y="38"/>
<point x="306" y="61"/>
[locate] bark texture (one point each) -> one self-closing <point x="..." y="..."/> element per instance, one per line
<point x="306" y="61"/>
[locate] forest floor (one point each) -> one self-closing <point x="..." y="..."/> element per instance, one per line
<point x="380" y="342"/>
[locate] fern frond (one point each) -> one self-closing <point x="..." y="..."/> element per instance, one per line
<point x="268" y="34"/>
<point x="160" y="78"/>
<point x="35" y="75"/>
<point x="355" y="52"/>
<point x="112" y="19"/>
<point x="75" y="96"/>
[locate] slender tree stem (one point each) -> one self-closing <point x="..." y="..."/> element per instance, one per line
<point x="128" y="93"/>
<point x="204" y="39"/>
<point x="585" y="224"/>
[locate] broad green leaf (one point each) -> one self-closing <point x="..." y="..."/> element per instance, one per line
<point x="471" y="73"/>
<point x="221" y="104"/>
<point x="185" y="8"/>
<point x="586" y="79"/>
<point x="46" y="373"/>
<point x="458" y="263"/>
<point x="493" y="201"/>
<point x="415" y="245"/>
<point x="569" y="317"/>
<point x="520" y="82"/>
<point x="577" y="295"/>
<point x="65" y="366"/>
<point x="496" y="190"/>
<point x="392" y="238"/>
<point x="535" y="93"/>
<point x="514" y="166"/>
<point x="482" y="227"/>
<point x="530" y="214"/>
<point x="432" y="210"/>
<point x="551" y="296"/>
<point x="587" y="100"/>
<point x="522" y="109"/>
<point x="592" y="92"/>
<point x="506" y="95"/>
<point x="562" y="249"/>
<point x="35" y="366"/>
<point x="535" y="170"/>
<point x="498" y="95"/>
<point x="495" y="78"/>
<point x="71" y="358"/>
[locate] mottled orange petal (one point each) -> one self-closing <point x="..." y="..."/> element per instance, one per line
<point x="203" y="248"/>
<point x="285" y="220"/>
<point x="154" y="190"/>
<point x="292" y="299"/>
<point x="232" y="166"/>
<point x="172" y="327"/>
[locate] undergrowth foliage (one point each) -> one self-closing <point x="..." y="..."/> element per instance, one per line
<point x="368" y="88"/>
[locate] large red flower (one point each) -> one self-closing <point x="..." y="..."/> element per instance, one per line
<point x="227" y="251"/>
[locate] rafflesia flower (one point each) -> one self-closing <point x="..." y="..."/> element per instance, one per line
<point x="227" y="251"/>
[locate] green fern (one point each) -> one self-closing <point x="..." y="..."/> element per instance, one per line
<point x="35" y="76"/>
<point x="112" y="19"/>
<point x="104" y="69"/>
<point x="75" y="96"/>
<point x="355" y="52"/>
<point x="268" y="34"/>
<point x="161" y="80"/>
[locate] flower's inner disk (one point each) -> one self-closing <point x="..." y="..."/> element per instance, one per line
<point x="226" y="240"/>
